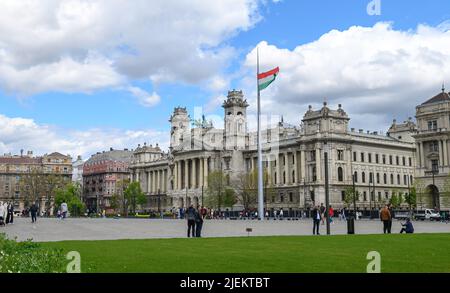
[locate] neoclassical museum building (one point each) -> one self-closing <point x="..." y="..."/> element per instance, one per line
<point x="379" y="164"/>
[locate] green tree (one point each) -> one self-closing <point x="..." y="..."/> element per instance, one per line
<point x="246" y="186"/>
<point x="395" y="199"/>
<point x="118" y="200"/>
<point x="134" y="196"/>
<point x="71" y="195"/>
<point x="32" y="186"/>
<point x="351" y="195"/>
<point x="219" y="194"/>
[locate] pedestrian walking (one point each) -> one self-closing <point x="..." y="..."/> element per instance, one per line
<point x="190" y="214"/>
<point x="281" y="214"/>
<point x="331" y="214"/>
<point x="33" y="212"/>
<point x="2" y="214"/>
<point x="198" y="224"/>
<point x="11" y="212"/>
<point x="391" y="212"/>
<point x="385" y="217"/>
<point x="322" y="213"/>
<point x="316" y="220"/>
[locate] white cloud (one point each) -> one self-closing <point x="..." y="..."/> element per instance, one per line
<point x="23" y="133"/>
<point x="83" y="45"/>
<point x="377" y="71"/>
<point x="144" y="98"/>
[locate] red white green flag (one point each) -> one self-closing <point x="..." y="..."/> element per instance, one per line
<point x="266" y="78"/>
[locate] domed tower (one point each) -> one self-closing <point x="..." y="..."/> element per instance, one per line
<point x="179" y="126"/>
<point x="235" y="120"/>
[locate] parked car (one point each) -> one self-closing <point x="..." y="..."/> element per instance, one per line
<point x="428" y="214"/>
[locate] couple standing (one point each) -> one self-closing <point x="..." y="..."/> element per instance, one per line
<point x="194" y="221"/>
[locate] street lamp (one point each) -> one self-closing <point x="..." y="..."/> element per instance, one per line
<point x="327" y="188"/>
<point x="159" y="202"/>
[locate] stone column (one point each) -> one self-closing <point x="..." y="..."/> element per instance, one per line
<point x="318" y="167"/>
<point x="186" y="174"/>
<point x="302" y="166"/>
<point x="179" y="175"/>
<point x="252" y="164"/>
<point x="444" y="142"/>
<point x="269" y="170"/>
<point x="205" y="170"/>
<point x="175" y="176"/>
<point x="200" y="172"/>
<point x="194" y="173"/>
<point x="278" y="169"/>
<point x="149" y="182"/>
<point x="295" y="154"/>
<point x="286" y="168"/>
<point x="422" y="155"/>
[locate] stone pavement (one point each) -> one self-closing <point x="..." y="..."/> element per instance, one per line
<point x="110" y="229"/>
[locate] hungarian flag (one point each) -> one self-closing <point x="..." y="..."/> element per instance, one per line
<point x="266" y="78"/>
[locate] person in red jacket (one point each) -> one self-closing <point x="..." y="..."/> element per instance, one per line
<point x="331" y="213"/>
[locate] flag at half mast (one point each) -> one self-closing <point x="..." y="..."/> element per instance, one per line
<point x="266" y="78"/>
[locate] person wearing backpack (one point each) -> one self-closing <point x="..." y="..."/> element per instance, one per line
<point x="190" y="214"/>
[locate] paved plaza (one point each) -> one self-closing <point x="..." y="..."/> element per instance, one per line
<point x="49" y="229"/>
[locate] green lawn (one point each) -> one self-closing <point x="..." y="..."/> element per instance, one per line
<point x="399" y="253"/>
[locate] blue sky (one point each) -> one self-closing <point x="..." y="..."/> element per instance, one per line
<point x="64" y="108"/>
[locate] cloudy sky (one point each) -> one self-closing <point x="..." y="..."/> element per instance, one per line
<point x="80" y="76"/>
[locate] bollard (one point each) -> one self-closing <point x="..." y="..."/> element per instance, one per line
<point x="351" y="225"/>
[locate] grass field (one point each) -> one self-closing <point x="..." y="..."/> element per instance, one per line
<point x="399" y="253"/>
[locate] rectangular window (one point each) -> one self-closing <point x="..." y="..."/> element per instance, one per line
<point x="397" y="161"/>
<point x="340" y="155"/>
<point x="384" y="159"/>
<point x="435" y="165"/>
<point x="434" y="146"/>
<point x="362" y="157"/>
<point x="410" y="162"/>
<point x="432" y="125"/>
<point x="404" y="161"/>
<point x="370" y="158"/>
<point x="365" y="196"/>
<point x="354" y="156"/>
<point x="390" y="160"/>
<point x="377" y="158"/>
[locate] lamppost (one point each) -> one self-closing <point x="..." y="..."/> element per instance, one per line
<point x="327" y="188"/>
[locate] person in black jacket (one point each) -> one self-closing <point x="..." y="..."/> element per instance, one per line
<point x="316" y="216"/>
<point x="190" y="214"/>
<point x="33" y="211"/>
<point x="198" y="224"/>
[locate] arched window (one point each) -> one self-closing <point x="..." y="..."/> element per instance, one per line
<point x="355" y="176"/>
<point x="392" y="178"/>
<point x="378" y="178"/>
<point x="293" y="176"/>
<point x="398" y="179"/>
<point x="284" y="177"/>
<point x="363" y="179"/>
<point x="405" y="179"/>
<point x="411" y="180"/>
<point x="340" y="174"/>
<point x="314" y="174"/>
<point x="384" y="178"/>
<point x="275" y="177"/>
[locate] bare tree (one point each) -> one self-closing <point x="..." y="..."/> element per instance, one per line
<point x="246" y="186"/>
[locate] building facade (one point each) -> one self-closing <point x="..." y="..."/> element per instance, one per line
<point x="77" y="171"/>
<point x="432" y="143"/>
<point x="293" y="156"/>
<point x="14" y="168"/>
<point x="101" y="173"/>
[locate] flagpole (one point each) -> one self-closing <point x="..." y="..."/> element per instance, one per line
<point x="260" y="168"/>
